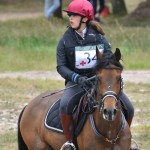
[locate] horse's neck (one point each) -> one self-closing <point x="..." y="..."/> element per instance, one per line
<point x="108" y="128"/>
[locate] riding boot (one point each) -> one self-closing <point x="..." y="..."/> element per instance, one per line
<point x="128" y="118"/>
<point x="67" y="124"/>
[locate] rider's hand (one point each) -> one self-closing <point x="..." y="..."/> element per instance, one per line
<point x="84" y="82"/>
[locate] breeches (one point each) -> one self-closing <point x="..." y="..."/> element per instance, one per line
<point x="71" y="97"/>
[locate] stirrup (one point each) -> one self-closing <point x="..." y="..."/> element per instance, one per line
<point x="68" y="144"/>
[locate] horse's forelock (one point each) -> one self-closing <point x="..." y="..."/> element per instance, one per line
<point x="107" y="60"/>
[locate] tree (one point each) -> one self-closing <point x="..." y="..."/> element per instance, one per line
<point x="142" y="11"/>
<point x="118" y="7"/>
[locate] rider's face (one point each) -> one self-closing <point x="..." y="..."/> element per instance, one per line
<point x="74" y="20"/>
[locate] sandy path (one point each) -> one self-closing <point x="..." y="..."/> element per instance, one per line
<point x="138" y="76"/>
<point x="9" y="117"/>
<point x="19" y="16"/>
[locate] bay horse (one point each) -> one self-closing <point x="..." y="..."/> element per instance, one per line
<point x="105" y="127"/>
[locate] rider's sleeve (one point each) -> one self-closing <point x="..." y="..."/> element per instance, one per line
<point x="62" y="68"/>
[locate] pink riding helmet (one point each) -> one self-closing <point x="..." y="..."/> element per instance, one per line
<point x="81" y="7"/>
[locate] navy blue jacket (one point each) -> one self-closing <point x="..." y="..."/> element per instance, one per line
<point x="66" y="50"/>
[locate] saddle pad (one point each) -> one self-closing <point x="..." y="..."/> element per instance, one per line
<point x="52" y="119"/>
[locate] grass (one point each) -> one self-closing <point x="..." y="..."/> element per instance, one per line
<point x="22" y="90"/>
<point x="21" y="6"/>
<point x="16" y="93"/>
<point x="8" y="140"/>
<point x="31" y="44"/>
<point x="141" y="134"/>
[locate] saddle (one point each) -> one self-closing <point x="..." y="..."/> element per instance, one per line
<point x="52" y="118"/>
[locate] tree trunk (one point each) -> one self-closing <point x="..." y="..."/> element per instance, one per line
<point x="119" y="7"/>
<point x="58" y="12"/>
<point x="142" y="11"/>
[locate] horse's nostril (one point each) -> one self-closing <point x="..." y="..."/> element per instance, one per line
<point x="105" y="111"/>
<point x="115" y="111"/>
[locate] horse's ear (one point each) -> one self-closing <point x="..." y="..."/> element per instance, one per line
<point x="99" y="54"/>
<point x="117" y="54"/>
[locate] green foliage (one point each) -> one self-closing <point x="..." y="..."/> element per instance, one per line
<point x="142" y="134"/>
<point x="22" y="88"/>
<point x="8" y="140"/>
<point x="133" y="43"/>
<point x="30" y="44"/>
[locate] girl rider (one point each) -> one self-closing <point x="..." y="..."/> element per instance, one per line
<point x="75" y="51"/>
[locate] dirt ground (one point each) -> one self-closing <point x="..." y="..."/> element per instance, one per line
<point x="11" y="123"/>
<point x="137" y="76"/>
<point x="18" y="16"/>
<point x="142" y="11"/>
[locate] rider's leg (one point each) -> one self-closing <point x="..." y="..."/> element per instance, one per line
<point x="102" y="5"/>
<point x="127" y="108"/>
<point x="68" y="127"/>
<point x="94" y="4"/>
<point x="69" y="99"/>
<point x="50" y="7"/>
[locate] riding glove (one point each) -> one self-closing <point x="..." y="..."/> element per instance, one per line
<point x="84" y="82"/>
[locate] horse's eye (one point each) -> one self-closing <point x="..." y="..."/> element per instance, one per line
<point x="118" y="78"/>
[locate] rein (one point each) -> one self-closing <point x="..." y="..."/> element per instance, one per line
<point x="91" y="78"/>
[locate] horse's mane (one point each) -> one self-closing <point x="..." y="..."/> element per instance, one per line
<point x="106" y="62"/>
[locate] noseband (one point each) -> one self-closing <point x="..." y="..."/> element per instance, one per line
<point x="100" y="103"/>
<point x="102" y="99"/>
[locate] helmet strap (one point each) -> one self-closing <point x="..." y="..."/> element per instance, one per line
<point x="79" y="26"/>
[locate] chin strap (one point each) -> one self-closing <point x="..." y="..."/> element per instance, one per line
<point x="68" y="144"/>
<point x="79" y="26"/>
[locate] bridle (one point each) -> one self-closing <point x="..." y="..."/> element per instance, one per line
<point x="93" y="103"/>
<point x="109" y="93"/>
<point x="100" y="105"/>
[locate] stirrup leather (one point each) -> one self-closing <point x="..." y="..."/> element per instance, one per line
<point x="68" y="144"/>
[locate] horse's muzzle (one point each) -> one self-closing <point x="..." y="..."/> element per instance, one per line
<point x="109" y="114"/>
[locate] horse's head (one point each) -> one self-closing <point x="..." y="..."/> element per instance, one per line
<point x="109" y="83"/>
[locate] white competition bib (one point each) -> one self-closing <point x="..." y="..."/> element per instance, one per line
<point x="85" y="57"/>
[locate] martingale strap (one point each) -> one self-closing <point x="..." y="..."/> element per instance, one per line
<point x="112" y="141"/>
